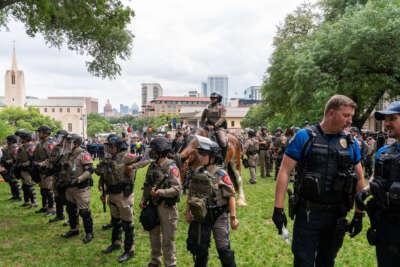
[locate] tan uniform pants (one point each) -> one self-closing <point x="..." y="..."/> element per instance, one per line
<point x="80" y="197"/>
<point x="252" y="167"/>
<point x="162" y="237"/>
<point x="221" y="137"/>
<point x="27" y="178"/>
<point x="121" y="207"/>
<point x="221" y="231"/>
<point x="264" y="161"/>
<point x="46" y="182"/>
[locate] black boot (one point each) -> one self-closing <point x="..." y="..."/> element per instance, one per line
<point x="87" y="224"/>
<point x="32" y="196"/>
<point x="107" y="226"/>
<point x="111" y="248"/>
<point x="15" y="191"/>
<point x="128" y="242"/>
<point x="59" y="210"/>
<point x="227" y="257"/>
<point x="25" y="190"/>
<point x="43" y="192"/>
<point x="152" y="265"/>
<point x="70" y="233"/>
<point x="73" y="220"/>
<point x="115" y="236"/>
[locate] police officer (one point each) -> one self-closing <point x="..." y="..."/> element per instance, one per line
<point x="23" y="170"/>
<point x="278" y="149"/>
<point x="371" y="149"/>
<point x="7" y="165"/>
<point x="251" y="150"/>
<point x="55" y="166"/>
<point x="162" y="188"/>
<point x="325" y="186"/>
<point x="265" y="143"/>
<point x="76" y="170"/>
<point x="361" y="144"/>
<point x="118" y="173"/>
<point x="41" y="158"/>
<point x="213" y="119"/>
<point x="210" y="201"/>
<point x="383" y="208"/>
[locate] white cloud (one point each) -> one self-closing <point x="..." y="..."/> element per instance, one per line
<point x="177" y="44"/>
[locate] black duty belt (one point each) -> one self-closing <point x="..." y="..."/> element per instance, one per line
<point x="307" y="204"/>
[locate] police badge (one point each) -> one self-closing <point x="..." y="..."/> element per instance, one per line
<point x="343" y="142"/>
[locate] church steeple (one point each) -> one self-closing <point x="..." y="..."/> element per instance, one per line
<point x="14" y="65"/>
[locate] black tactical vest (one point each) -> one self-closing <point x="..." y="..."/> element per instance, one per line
<point x="326" y="167"/>
<point x="387" y="169"/>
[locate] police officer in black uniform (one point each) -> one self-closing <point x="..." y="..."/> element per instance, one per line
<point x="329" y="174"/>
<point x="384" y="208"/>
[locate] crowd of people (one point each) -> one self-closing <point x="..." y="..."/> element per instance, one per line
<point x="328" y="164"/>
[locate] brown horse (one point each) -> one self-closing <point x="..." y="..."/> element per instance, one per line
<point x="188" y="159"/>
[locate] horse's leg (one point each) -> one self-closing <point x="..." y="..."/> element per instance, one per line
<point x="241" y="200"/>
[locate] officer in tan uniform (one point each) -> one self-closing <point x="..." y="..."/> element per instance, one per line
<point x="118" y="173"/>
<point x="41" y="158"/>
<point x="7" y="167"/>
<point x="265" y="152"/>
<point x="55" y="166"/>
<point x="163" y="189"/>
<point x="251" y="150"/>
<point x="278" y="149"/>
<point x="76" y="169"/>
<point x="23" y="163"/>
<point x="213" y="119"/>
<point x="210" y="201"/>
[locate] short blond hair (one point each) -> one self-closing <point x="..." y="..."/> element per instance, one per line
<point x="336" y="101"/>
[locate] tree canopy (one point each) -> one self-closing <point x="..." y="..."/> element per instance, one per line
<point x="351" y="49"/>
<point x="12" y="118"/>
<point x="95" y="28"/>
<point x="97" y="124"/>
<point x="138" y="123"/>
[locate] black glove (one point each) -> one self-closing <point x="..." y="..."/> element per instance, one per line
<point x="355" y="226"/>
<point x="279" y="219"/>
<point x="377" y="189"/>
<point x="360" y="198"/>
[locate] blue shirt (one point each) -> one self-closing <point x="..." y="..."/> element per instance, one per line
<point x="383" y="149"/>
<point x="293" y="150"/>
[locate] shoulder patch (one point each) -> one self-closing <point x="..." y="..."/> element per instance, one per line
<point x="226" y="179"/>
<point x="86" y="156"/>
<point x="130" y="155"/>
<point x="31" y="147"/>
<point x="51" y="145"/>
<point x="223" y="108"/>
<point x="175" y="171"/>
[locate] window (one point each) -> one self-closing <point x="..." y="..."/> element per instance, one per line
<point x="232" y="123"/>
<point x="69" y="127"/>
<point x="53" y="110"/>
<point x="13" y="78"/>
<point x="79" y="110"/>
<point x="45" y="109"/>
<point x="60" y="109"/>
<point x="68" y="110"/>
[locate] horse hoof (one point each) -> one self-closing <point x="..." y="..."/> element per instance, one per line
<point x="241" y="202"/>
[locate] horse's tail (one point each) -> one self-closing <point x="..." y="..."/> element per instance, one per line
<point x="232" y="174"/>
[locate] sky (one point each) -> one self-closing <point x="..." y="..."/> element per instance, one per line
<point x="178" y="43"/>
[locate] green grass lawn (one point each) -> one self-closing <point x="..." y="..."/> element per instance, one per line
<point x="27" y="239"/>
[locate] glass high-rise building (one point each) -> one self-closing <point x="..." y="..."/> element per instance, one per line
<point x="218" y="83"/>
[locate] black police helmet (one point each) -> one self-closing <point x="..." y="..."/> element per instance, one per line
<point x="160" y="145"/>
<point x="263" y="128"/>
<point x="211" y="148"/>
<point x="278" y="129"/>
<point x="62" y="133"/>
<point x="216" y="95"/>
<point x="44" y="129"/>
<point x="25" y="136"/>
<point x="19" y="132"/>
<point x="354" y="129"/>
<point x="12" y="139"/>
<point x="75" y="138"/>
<point x="251" y="133"/>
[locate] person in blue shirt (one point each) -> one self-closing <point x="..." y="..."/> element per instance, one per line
<point x="383" y="209"/>
<point x="329" y="174"/>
